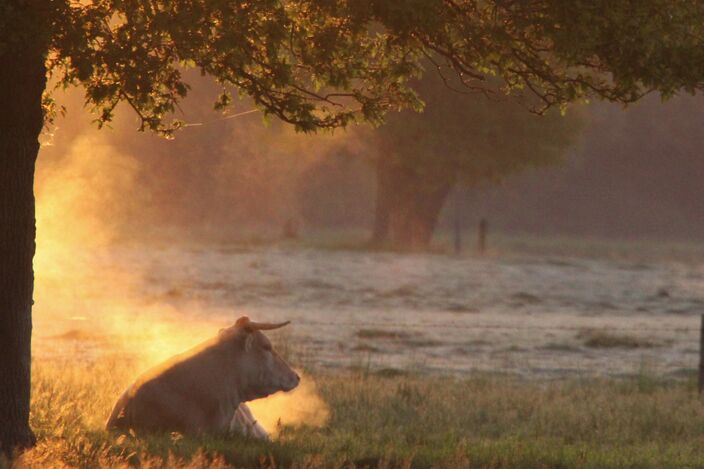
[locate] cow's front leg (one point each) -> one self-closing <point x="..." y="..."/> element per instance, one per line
<point x="245" y="424"/>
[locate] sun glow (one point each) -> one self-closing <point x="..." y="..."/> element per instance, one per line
<point x="91" y="304"/>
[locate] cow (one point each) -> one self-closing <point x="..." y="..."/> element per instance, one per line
<point x="204" y="389"/>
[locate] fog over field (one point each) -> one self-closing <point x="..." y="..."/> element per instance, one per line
<point x="632" y="174"/>
<point x="138" y="235"/>
<point x="536" y="316"/>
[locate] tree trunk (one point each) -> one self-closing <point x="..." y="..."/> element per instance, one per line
<point x="414" y="218"/>
<point x="408" y="205"/>
<point x="22" y="81"/>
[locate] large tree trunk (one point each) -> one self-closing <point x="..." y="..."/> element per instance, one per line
<point x="22" y="81"/>
<point x="408" y="204"/>
<point x="414" y="219"/>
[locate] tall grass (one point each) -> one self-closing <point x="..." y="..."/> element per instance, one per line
<point x="391" y="420"/>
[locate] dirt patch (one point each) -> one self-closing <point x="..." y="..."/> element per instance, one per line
<point x="408" y="339"/>
<point x="595" y="338"/>
<point x="421" y="342"/>
<point x="559" y="347"/>
<point x="461" y="308"/>
<point x="365" y="348"/>
<point x="525" y="298"/>
<point x="382" y="334"/>
<point x="391" y="373"/>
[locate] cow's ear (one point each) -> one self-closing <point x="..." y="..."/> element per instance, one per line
<point x="248" y="341"/>
<point x="242" y="322"/>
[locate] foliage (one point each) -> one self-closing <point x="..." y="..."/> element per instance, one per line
<point x="560" y="51"/>
<point x="326" y="63"/>
<point x="468" y="139"/>
<point x="287" y="56"/>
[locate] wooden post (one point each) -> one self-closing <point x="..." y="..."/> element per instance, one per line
<point x="481" y="242"/>
<point x="458" y="222"/>
<point x="701" y="357"/>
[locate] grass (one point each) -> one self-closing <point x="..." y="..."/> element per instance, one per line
<point x="392" y="419"/>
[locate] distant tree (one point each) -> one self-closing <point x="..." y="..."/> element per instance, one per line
<point x="312" y="63"/>
<point x="457" y="139"/>
<point x="336" y="190"/>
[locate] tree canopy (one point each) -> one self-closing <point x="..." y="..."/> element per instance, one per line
<point x="458" y="139"/>
<point x="467" y="139"/>
<point x="325" y="63"/>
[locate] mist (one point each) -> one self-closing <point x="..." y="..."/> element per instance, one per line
<point x="106" y="197"/>
<point x="127" y="222"/>
<point x="634" y="175"/>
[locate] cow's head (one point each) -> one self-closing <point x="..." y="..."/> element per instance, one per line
<point x="261" y="371"/>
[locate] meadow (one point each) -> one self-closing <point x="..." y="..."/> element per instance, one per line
<point x="391" y="343"/>
<point x="389" y="418"/>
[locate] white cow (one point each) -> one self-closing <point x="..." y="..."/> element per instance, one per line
<point x="204" y="389"/>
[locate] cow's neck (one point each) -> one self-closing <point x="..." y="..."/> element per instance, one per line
<point x="245" y="391"/>
<point x="239" y="388"/>
<point x="239" y="384"/>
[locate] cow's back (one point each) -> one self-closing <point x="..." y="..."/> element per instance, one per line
<point x="181" y="395"/>
<point x="140" y="408"/>
<point x="118" y="417"/>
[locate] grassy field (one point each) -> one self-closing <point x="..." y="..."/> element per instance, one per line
<point x="392" y="419"/>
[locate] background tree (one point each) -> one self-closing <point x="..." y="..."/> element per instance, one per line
<point x="312" y="63"/>
<point x="338" y="189"/>
<point x="457" y="139"/>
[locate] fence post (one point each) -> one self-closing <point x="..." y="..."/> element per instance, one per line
<point x="481" y="241"/>
<point x="701" y="357"/>
<point x="458" y="225"/>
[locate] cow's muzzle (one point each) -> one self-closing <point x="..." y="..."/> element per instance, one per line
<point x="291" y="382"/>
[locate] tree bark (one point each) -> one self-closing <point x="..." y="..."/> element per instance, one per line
<point x="408" y="205"/>
<point x="22" y="82"/>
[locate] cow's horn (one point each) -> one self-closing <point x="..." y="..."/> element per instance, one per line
<point x="266" y="326"/>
